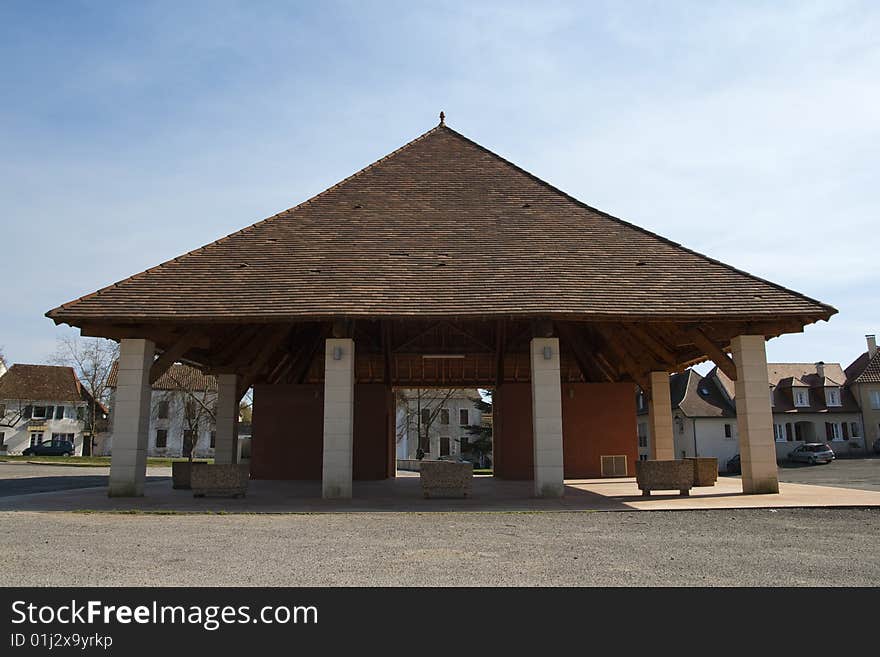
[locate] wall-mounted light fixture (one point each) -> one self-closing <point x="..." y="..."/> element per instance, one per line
<point x="548" y="352"/>
<point x="337" y="353"/>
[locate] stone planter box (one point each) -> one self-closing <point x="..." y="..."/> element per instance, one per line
<point x="446" y="478"/>
<point x="180" y="473"/>
<point x="705" y="470"/>
<point x="665" y="475"/>
<point x="220" y="480"/>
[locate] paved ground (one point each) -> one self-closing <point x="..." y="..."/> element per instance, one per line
<point x="862" y="474"/>
<point x="742" y="547"/>
<point x="22" y="478"/>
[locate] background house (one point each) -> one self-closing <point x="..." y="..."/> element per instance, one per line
<point x="811" y="403"/>
<point x="182" y="414"/>
<point x="703" y="418"/>
<point x="863" y="379"/>
<point x="39" y="403"/>
<point x="441" y="417"/>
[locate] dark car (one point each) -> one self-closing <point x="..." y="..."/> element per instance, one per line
<point x="51" y="448"/>
<point x="733" y="465"/>
<point x="812" y="453"/>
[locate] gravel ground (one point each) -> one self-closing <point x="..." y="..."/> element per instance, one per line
<point x="824" y="547"/>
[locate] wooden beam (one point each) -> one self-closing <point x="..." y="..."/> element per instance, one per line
<point x="172" y="354"/>
<point x="714" y="352"/>
<point x="306" y="355"/>
<point x="500" y="336"/>
<point x="627" y="364"/>
<point x="586" y="363"/>
<point x="653" y="344"/>
<point x="385" y="327"/>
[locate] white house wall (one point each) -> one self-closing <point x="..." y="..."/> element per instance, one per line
<point x="17" y="437"/>
<point x="175" y="424"/>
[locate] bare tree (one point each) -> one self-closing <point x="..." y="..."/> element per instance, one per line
<point x="199" y="409"/>
<point x="422" y="407"/>
<point x="91" y="360"/>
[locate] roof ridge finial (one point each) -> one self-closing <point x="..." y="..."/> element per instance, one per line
<point x="442" y="118"/>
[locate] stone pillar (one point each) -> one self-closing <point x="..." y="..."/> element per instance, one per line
<point x="226" y="439"/>
<point x="131" y="418"/>
<point x="547" y="417"/>
<point x="754" y="418"/>
<point x="660" y="418"/>
<point x="338" y="418"/>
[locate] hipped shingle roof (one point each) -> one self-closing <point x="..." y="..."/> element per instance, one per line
<point x="440" y="227"/>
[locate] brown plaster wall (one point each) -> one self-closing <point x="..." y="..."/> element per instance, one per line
<point x="597" y="419"/>
<point x="288" y="427"/>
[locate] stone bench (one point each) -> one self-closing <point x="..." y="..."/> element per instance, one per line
<point x="446" y="478"/>
<point x="665" y="475"/>
<point x="219" y="480"/>
<point x="705" y="470"/>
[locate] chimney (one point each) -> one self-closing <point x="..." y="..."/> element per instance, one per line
<point x="820" y="369"/>
<point x="872" y="345"/>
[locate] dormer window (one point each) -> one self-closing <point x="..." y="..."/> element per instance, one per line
<point x="832" y="396"/>
<point x="801" y="397"/>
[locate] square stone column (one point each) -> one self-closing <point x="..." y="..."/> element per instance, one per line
<point x="338" y="418"/>
<point x="660" y="418"/>
<point x="131" y="418"/>
<point x="547" y="417"/>
<point x="226" y="414"/>
<point x="754" y="417"/>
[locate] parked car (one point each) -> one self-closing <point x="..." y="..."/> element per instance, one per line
<point x="733" y="465"/>
<point x="51" y="448"/>
<point x="812" y="453"/>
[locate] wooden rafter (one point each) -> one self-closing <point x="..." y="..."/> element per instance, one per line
<point x="500" y="334"/>
<point x="714" y="352"/>
<point x="172" y="354"/>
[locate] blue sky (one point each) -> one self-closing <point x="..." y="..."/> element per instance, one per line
<point x="133" y="132"/>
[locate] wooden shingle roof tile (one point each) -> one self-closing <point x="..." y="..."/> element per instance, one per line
<point x="440" y="227"/>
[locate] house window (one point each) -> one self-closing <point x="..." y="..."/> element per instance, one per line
<point x="2" y="410"/>
<point x="444" y="416"/>
<point x="190" y="409"/>
<point x="188" y="444"/>
<point x="426" y="416"/>
<point x="39" y="413"/>
<point x="162" y="410"/>
<point x="832" y="431"/>
<point x="875" y="399"/>
<point x="779" y="433"/>
<point x="832" y="396"/>
<point x="444" y="445"/>
<point x="641" y="401"/>
<point x="59" y="412"/>
<point x="36" y="439"/>
<point x="213" y="439"/>
<point x="80" y="413"/>
<point x="727" y="431"/>
<point x="854" y="429"/>
<point x="463" y="418"/>
<point x="643" y="457"/>
<point x="465" y="443"/>
<point x="801" y="398"/>
<point x="161" y="438"/>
